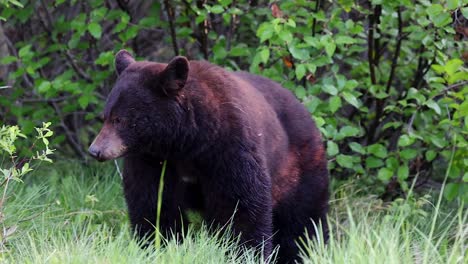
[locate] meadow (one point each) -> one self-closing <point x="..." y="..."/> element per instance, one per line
<point x="71" y="213"/>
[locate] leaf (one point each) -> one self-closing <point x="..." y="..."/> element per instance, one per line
<point x="216" y="9"/>
<point x="265" y="31"/>
<point x="16" y="3"/>
<point x="385" y="174"/>
<point x="105" y="58"/>
<point x="392" y="163"/>
<point x="403" y="172"/>
<point x="465" y="12"/>
<point x="453" y="66"/>
<point x="372" y="162"/>
<point x="276" y="11"/>
<point x="264" y="55"/>
<point x="330" y="89"/>
<point x="351" y="99"/>
<point x="344" y="40"/>
<point x="356" y="147"/>
<point x="300" y="54"/>
<point x="44" y="87"/>
<point x="313" y="41"/>
<point x="452" y="4"/>
<point x="434" y="106"/>
<point x="451" y="191"/>
<point x="334" y="103"/>
<point x="25" y="50"/>
<point x="286" y="35"/>
<point x="239" y="51"/>
<point x="291" y="23"/>
<point x="83" y="101"/>
<point x="434" y="10"/>
<point x="408" y="154"/>
<point x="287" y="61"/>
<point x="438" y="141"/>
<point x="8" y="59"/>
<point x="300" y="71"/>
<point x="345" y="161"/>
<point x="95" y="30"/>
<point x="430" y="155"/>
<point x="330" y="48"/>
<point x="332" y="148"/>
<point x="404" y="141"/>
<point x="442" y="20"/>
<point x="377" y="150"/>
<point x="349" y="131"/>
<point x="225" y="3"/>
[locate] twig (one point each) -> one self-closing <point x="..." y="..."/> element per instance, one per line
<point x="453" y="86"/>
<point x="77" y="69"/>
<point x="118" y="169"/>
<point x="48" y="16"/>
<point x="44" y="100"/>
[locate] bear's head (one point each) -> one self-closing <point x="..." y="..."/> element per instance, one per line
<point x="143" y="110"/>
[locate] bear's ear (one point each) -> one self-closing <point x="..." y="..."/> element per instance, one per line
<point x="123" y="58"/>
<point x="174" y="76"/>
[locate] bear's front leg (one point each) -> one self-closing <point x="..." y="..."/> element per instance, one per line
<point x="238" y="189"/>
<point x="141" y="184"/>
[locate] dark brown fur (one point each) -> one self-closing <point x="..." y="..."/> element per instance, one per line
<point x="234" y="142"/>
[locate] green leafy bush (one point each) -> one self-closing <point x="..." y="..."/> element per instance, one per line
<point x="386" y="81"/>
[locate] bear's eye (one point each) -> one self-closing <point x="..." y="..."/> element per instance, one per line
<point x="116" y="120"/>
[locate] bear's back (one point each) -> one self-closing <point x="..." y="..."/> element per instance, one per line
<point x="291" y="113"/>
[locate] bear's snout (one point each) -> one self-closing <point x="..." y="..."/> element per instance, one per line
<point x="95" y="153"/>
<point x="107" y="145"/>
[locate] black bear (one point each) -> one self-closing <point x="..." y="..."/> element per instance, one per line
<point x="239" y="148"/>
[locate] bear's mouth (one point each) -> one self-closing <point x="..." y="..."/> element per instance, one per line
<point x="107" y="145"/>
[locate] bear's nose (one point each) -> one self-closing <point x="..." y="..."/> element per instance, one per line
<point x="94" y="152"/>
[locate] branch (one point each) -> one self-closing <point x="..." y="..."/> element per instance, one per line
<point x="69" y="135"/>
<point x="170" y="17"/>
<point x="18" y="63"/>
<point x="232" y="26"/>
<point x="377" y="48"/>
<point x="314" y="21"/>
<point x="77" y="68"/>
<point x="124" y="6"/>
<point x="370" y="45"/>
<point x="397" y="52"/>
<point x="68" y="56"/>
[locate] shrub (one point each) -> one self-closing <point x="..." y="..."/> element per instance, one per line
<point x="386" y="81"/>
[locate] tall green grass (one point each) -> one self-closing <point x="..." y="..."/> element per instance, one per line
<point x="76" y="214"/>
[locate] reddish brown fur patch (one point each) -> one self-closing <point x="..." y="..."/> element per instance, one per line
<point x="287" y="178"/>
<point x="319" y="155"/>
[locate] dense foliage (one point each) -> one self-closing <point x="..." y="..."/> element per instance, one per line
<point x="386" y="81"/>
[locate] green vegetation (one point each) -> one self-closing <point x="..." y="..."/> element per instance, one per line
<point x="91" y="226"/>
<point x="386" y="81"/>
